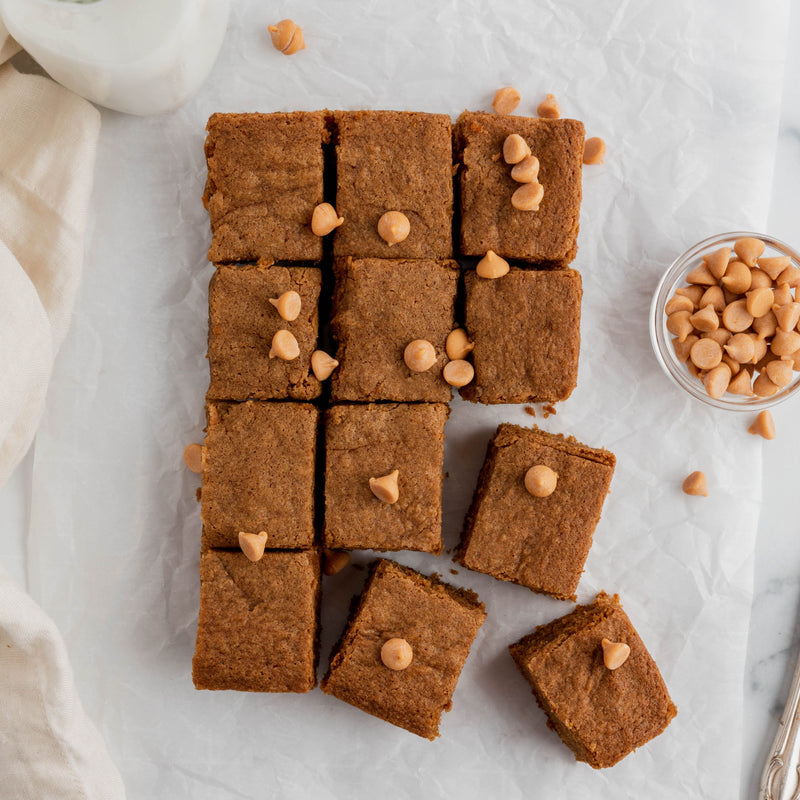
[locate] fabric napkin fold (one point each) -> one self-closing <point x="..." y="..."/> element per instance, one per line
<point x="48" y="138"/>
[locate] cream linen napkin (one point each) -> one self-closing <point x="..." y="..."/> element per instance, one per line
<point x="48" y="136"/>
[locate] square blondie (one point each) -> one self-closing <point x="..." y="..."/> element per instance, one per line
<point x="538" y="542"/>
<point x="526" y="330"/>
<point x="370" y="441"/>
<point x="394" y="161"/>
<point x="488" y="220"/>
<point x="379" y="307"/>
<point x="258" y="473"/>
<point x="241" y="324"/>
<point x="259" y="622"/>
<point x="601" y="714"/>
<point x="437" y="620"/>
<point x="265" y="176"/>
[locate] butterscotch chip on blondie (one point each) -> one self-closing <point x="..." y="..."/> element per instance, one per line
<point x="264" y="180"/>
<point x="438" y="621"/>
<point x="526" y="329"/>
<point x="259" y="621"/>
<point x="394" y="161"/>
<point x="488" y="219"/>
<point x="602" y="714"/>
<point x="372" y="441"/>
<point x="258" y="473"/>
<point x="538" y="542"/>
<point x="242" y="323"/>
<point x="380" y="306"/>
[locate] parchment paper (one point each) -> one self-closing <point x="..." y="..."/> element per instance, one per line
<point x="687" y="97"/>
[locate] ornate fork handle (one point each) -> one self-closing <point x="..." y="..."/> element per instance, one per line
<point x="780" y="779"/>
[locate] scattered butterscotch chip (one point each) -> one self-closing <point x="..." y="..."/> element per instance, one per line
<point x="324" y="219"/>
<point x="549" y="108"/>
<point x="717" y="262"/>
<point x="419" y="355"/>
<point x="287" y="37"/>
<point x="458" y="346"/>
<point x="780" y="372"/>
<point x="397" y="654"/>
<point x="705" y="320"/>
<point x="386" y="489"/>
<point x="528" y="197"/>
<point x="253" y="544"/>
<point x="288" y="305"/>
<point x="763" y="425"/>
<point x="505" y="100"/>
<point x="322" y="365"/>
<point x="695" y="484"/>
<point x="541" y="481"/>
<point x="741" y="384"/>
<point x="594" y="150"/>
<point x="394" y="227"/>
<point x="717" y="380"/>
<point x="515" y="148"/>
<point x="701" y="276"/>
<point x="335" y="561"/>
<point x="284" y="346"/>
<point x="492" y="266"/>
<point x="615" y="654"/>
<point x="749" y="250"/>
<point x="193" y="457"/>
<point x="458" y="372"/>
<point x="527" y="171"/>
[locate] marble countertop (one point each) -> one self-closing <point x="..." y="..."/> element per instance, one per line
<point x="774" y="638"/>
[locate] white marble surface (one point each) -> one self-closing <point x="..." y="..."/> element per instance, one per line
<point x="774" y="639"/>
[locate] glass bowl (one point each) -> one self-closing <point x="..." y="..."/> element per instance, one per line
<point x="661" y="338"/>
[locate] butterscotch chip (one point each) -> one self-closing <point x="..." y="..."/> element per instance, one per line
<point x="682" y="348"/>
<point x="335" y="561"/>
<point x="694" y="293"/>
<point x="528" y="197"/>
<point x="740" y="347"/>
<point x="288" y="305"/>
<point x="759" y="348"/>
<point x="193" y="457"/>
<point x="715" y="297"/>
<point x="682" y="303"/>
<point x="458" y="346"/>
<point x="549" y="108"/>
<point x="763" y="386"/>
<point x="325" y="219"/>
<point x="696" y="484"/>
<point x="779" y="372"/>
<point x="701" y="276"/>
<point x="705" y="353"/>
<point x="736" y="318"/>
<point x="705" y="320"/>
<point x="766" y="325"/>
<point x="679" y="325"/>
<point x="787" y="316"/>
<point x="749" y="250"/>
<point x="322" y="365"/>
<point x="759" y="301"/>
<point x="458" y="372"/>
<point x="284" y="346"/>
<point x="515" y="148"/>
<point x="615" y="654"/>
<point x="386" y="488"/>
<point x="759" y="279"/>
<point x="790" y="276"/>
<point x="717" y="380"/>
<point x="253" y="544"/>
<point x="721" y="336"/>
<point x="774" y="266"/>
<point x="505" y="100"/>
<point x="287" y="37"/>
<point x="491" y="266"/>
<point x="735" y="366"/>
<point x="737" y="277"/>
<point x="394" y="227"/>
<point x="594" y="151"/>
<point x="397" y="654"/>
<point x="419" y="355"/>
<point x="763" y="425"/>
<point x="527" y="171"/>
<point x="782" y="296"/>
<point x="717" y="262"/>
<point x="540" y="480"/>
<point x="784" y="343"/>
<point x="741" y="384"/>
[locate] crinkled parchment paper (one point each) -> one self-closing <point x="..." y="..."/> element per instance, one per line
<point x="687" y="96"/>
